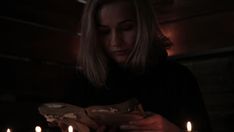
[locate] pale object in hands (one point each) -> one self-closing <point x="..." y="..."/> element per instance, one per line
<point x="84" y="119"/>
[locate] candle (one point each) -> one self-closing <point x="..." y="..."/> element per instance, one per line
<point x="70" y="128"/>
<point x="8" y="130"/>
<point x="189" y="126"/>
<point x="37" y="129"/>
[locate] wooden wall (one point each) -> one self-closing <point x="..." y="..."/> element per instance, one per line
<point x="215" y="74"/>
<point x="38" y="48"/>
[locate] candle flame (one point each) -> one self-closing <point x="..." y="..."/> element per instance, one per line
<point x="37" y="129"/>
<point x="189" y="126"/>
<point x="70" y="128"/>
<point x="8" y="130"/>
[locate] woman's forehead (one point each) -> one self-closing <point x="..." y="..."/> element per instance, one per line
<point x="120" y="9"/>
<point x="120" y="4"/>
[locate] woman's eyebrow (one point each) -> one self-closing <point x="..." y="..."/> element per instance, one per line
<point x="120" y="23"/>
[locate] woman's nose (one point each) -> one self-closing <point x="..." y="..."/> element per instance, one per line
<point x="115" y="39"/>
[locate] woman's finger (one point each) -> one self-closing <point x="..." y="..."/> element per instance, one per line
<point x="154" y="119"/>
<point x="62" y="126"/>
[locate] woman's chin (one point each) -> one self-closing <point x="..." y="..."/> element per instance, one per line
<point x="120" y="59"/>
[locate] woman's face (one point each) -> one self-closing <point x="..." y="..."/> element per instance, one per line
<point x="117" y="29"/>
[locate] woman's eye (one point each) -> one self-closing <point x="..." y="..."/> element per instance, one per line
<point x="127" y="27"/>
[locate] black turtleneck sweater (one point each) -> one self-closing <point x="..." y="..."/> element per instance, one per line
<point x="169" y="89"/>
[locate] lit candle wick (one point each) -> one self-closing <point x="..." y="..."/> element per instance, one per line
<point x="37" y="129"/>
<point x="8" y="130"/>
<point x="189" y="126"/>
<point x="70" y="128"/>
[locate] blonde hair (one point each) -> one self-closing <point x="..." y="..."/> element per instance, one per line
<point x="92" y="59"/>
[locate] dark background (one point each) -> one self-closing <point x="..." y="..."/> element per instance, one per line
<point x="39" y="41"/>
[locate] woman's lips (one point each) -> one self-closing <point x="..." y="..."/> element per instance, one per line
<point x="121" y="52"/>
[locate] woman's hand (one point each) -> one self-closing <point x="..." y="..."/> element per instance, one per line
<point x="152" y="123"/>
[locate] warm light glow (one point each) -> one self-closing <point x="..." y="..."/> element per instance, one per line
<point x="70" y="129"/>
<point x="37" y="129"/>
<point x="189" y="126"/>
<point x="8" y="130"/>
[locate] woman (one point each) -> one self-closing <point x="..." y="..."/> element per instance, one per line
<point x="122" y="56"/>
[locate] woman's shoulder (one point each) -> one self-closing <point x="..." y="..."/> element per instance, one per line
<point x="176" y="71"/>
<point x="175" y="67"/>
